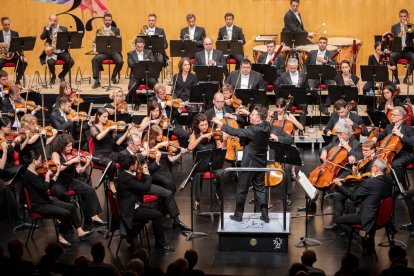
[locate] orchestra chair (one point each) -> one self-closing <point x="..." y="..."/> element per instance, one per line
<point x="140" y="91"/>
<point x="211" y="181"/>
<point x="116" y="222"/>
<point x="58" y="62"/>
<point x="91" y="147"/>
<point x="36" y="217"/>
<point x="77" y="198"/>
<point x="108" y="62"/>
<point x="230" y="61"/>
<point x="11" y="64"/>
<point x="405" y="63"/>
<point x="383" y="218"/>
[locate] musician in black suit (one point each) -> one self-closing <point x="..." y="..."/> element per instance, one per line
<point x="232" y="33"/>
<point x="135" y="56"/>
<point x="193" y="32"/>
<point x="129" y="194"/>
<point x="245" y="77"/>
<point x="370" y="193"/>
<point x="220" y="110"/>
<point x="405" y="132"/>
<point x="293" y="20"/>
<point x="59" y="117"/>
<point x="278" y="62"/>
<point x="209" y="56"/>
<point x="254" y="156"/>
<point x="48" y="34"/>
<point x="407" y="42"/>
<point x="153" y="30"/>
<point x="342" y="113"/>
<point x="5" y="36"/>
<point x="107" y="30"/>
<point x="8" y="106"/>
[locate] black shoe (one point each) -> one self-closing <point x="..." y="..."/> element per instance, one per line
<point x="53" y="80"/>
<point x="17" y="82"/>
<point x="407" y="81"/>
<point x="326" y="112"/>
<point x="396" y="81"/>
<point x="300" y="133"/>
<point x="99" y="223"/>
<point x="407" y="226"/>
<point x="62" y="79"/>
<point x="236" y="218"/>
<point x="96" y="85"/>
<point x="265" y="219"/>
<point x="180" y="226"/>
<point x="114" y="80"/>
<point x="196" y="207"/>
<point x="164" y="247"/>
<point x="87" y="233"/>
<point x="331" y="227"/>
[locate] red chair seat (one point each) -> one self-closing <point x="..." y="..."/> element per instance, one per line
<point x="208" y="175"/>
<point x="231" y="61"/>
<point x="192" y="60"/>
<point x="270" y="87"/>
<point x="323" y="86"/>
<point x="185" y="110"/>
<point x="410" y="166"/>
<point x="402" y="61"/>
<point x="150" y="198"/>
<point x="60" y="62"/>
<point x="107" y="61"/>
<point x="9" y="64"/>
<point x="174" y="137"/>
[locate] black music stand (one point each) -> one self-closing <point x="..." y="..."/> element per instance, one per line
<point x="183" y="48"/>
<point x="269" y="72"/>
<point x="293" y="39"/>
<point x="108" y="45"/>
<point x="378" y="118"/>
<point x="145" y="69"/>
<point x="21" y="44"/>
<point x="105" y="181"/>
<point x="396" y="43"/>
<point x="155" y="43"/>
<point x="320" y="72"/>
<point x="298" y="94"/>
<point x="251" y="97"/>
<point x="230" y="47"/>
<point x="203" y="93"/>
<point x="345" y="92"/>
<point x="67" y="41"/>
<point x="373" y="74"/>
<point x="209" y="73"/>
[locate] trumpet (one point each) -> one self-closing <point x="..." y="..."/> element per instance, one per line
<point x="144" y="30"/>
<point x="225" y="37"/>
<point x="187" y="37"/>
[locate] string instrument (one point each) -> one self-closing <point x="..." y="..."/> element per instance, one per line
<point x="286" y="125"/>
<point x="362" y="163"/>
<point x="273" y="178"/>
<point x="390" y="147"/>
<point x="49" y="130"/>
<point x="45" y="166"/>
<point x="276" y="54"/>
<point x="120" y="125"/>
<point x="322" y="176"/>
<point x="354" y="178"/>
<point x="138" y="170"/>
<point x="233" y="142"/>
<point x="173" y="147"/>
<point x="235" y="102"/>
<point x="74" y="98"/>
<point x="175" y="102"/>
<point x="217" y="134"/>
<point x="164" y="122"/>
<point x="81" y="114"/>
<point x="84" y="155"/>
<point x="122" y="106"/>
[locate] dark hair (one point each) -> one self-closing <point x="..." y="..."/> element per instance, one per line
<point x="323" y="38"/>
<point x="228" y="87"/>
<point x="61" y="141"/>
<point x="54" y="249"/>
<point x="245" y="61"/>
<point x="107" y="15"/>
<point x="181" y="63"/>
<point x="377" y="43"/>
<point x="15" y="248"/>
<point x="297" y="267"/>
<point x="349" y="263"/>
<point x="139" y="40"/>
<point x="13" y="89"/>
<point x="46" y="265"/>
<point x="152" y="106"/>
<point x="229" y="14"/>
<point x="143" y="255"/>
<point x="98" y="251"/>
<point x="271" y="42"/>
<point x="127" y="161"/>
<point x="63" y="100"/>
<point x="192" y="257"/>
<point x="3" y="73"/>
<point x="339" y="104"/>
<point x="4" y="121"/>
<point x="29" y="156"/>
<point x="345" y="61"/>
<point x="261" y="111"/>
<point x="389" y="87"/>
<point x="4" y="19"/>
<point x="280" y="102"/>
<point x="403" y="11"/>
<point x="99" y="113"/>
<point x="152" y="15"/>
<point x="297" y="1"/>
<point x="190" y="15"/>
<point x="200" y="117"/>
<point x="396" y="252"/>
<point x="62" y="87"/>
<point x="308" y="257"/>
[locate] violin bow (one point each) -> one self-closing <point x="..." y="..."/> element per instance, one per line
<point x="43" y="149"/>
<point x="43" y="110"/>
<point x="78" y="93"/>
<point x="114" y="95"/>
<point x="171" y="109"/>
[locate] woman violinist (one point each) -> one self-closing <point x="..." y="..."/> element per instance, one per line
<point x="8" y="204"/>
<point x="202" y="138"/>
<point x="64" y="91"/>
<point x="118" y="97"/>
<point x="155" y="141"/>
<point x="70" y="166"/>
<point x="37" y="187"/>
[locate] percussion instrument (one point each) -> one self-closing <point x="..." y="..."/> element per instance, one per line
<point x="261" y="49"/>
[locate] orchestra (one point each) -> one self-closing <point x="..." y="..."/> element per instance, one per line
<point x="141" y="156"/>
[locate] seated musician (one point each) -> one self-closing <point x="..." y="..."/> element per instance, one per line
<point x="154" y="30"/>
<point x="4" y="83"/>
<point x="37" y="187"/>
<point x="388" y="100"/>
<point x="193" y="32"/>
<point x="107" y="30"/>
<point x="121" y="106"/>
<point x="8" y="106"/>
<point x="5" y="37"/>
<point x="359" y="168"/>
<point x="374" y="60"/>
<point x="64" y="91"/>
<point x="342" y="114"/>
<point x="202" y="139"/>
<point x="346" y="77"/>
<point x="278" y="62"/>
<point x="130" y="191"/>
<point x="245" y="77"/>
<point x="51" y="54"/>
<point x="135" y="56"/>
<point x="59" y="117"/>
<point x="220" y="110"/>
<point x="70" y="166"/>
<point x="298" y="79"/>
<point x="184" y="80"/>
<point x="167" y="110"/>
<point x="209" y="56"/>
<point x="405" y="132"/>
<point x="370" y="193"/>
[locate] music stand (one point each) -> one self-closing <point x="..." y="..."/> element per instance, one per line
<point x="293" y="39"/>
<point x="251" y="96"/>
<point x="67" y="41"/>
<point x="396" y="43"/>
<point x="310" y="194"/>
<point x="230" y="48"/>
<point x="378" y="118"/>
<point x="209" y="73"/>
<point x="108" y="45"/>
<point x="105" y="181"/>
<point x="345" y="92"/>
<point x="320" y="72"/>
<point x="285" y="154"/>
<point x="203" y="93"/>
<point x="16" y="178"/>
<point x="145" y="69"/>
<point x="21" y="44"/>
<point x="288" y="92"/>
<point x="373" y="74"/>
<point x="269" y="72"/>
<point x="155" y="43"/>
<point x="183" y="48"/>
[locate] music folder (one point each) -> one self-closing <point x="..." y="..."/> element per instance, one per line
<point x="310" y="190"/>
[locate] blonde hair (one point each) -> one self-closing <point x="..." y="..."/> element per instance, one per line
<point x="116" y="91"/>
<point x="26" y="120"/>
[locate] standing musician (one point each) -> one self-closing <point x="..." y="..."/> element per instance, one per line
<point x="278" y="62"/>
<point x="245" y="77"/>
<point x="4" y="83"/>
<point x="107" y="30"/>
<point x="254" y="156"/>
<point x="153" y="30"/>
<point x="135" y="56"/>
<point x="298" y="79"/>
<point x="343" y="114"/>
<point x="37" y="188"/>
<point x="5" y="36"/>
<point x="59" y="117"/>
<point x="130" y="192"/>
<point x="201" y="139"/>
<point x="400" y="30"/>
<point x="406" y="134"/>
<point x="193" y="32"/>
<point x="232" y="33"/>
<point x="51" y="54"/>
<point x="209" y="56"/>
<point x="374" y="60"/>
<point x="370" y="193"/>
<point x="293" y="20"/>
<point x="346" y="77"/>
<point x="70" y="167"/>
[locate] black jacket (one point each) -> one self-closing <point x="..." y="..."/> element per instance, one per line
<point x="285" y="79"/>
<point x="237" y="34"/>
<point x="282" y="136"/>
<point x="311" y="60"/>
<point x="217" y="56"/>
<point x="279" y="63"/>
<point x="59" y="122"/>
<point x="356" y="147"/>
<point x="396" y="29"/>
<point x="133" y="58"/>
<point x="46" y="36"/>
<point x="182" y="88"/>
<point x="153" y="167"/>
<point x="199" y="35"/>
<point x="255" y="80"/>
<point x="355" y="118"/>
<point x="339" y="79"/>
<point x="12" y="34"/>
<point x="292" y="24"/>
<point x="408" y="137"/>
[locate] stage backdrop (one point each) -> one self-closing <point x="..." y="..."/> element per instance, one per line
<point x="343" y="18"/>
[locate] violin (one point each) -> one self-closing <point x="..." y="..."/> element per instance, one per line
<point x="217" y="134"/>
<point x="84" y="155"/>
<point x="50" y="165"/>
<point x="81" y="114"/>
<point x="49" y="130"/>
<point x="20" y="103"/>
<point x="354" y="178"/>
<point x="122" y="106"/>
<point x="138" y="171"/>
<point x="120" y="125"/>
<point x="233" y="142"/>
<point x="235" y="102"/>
<point x="74" y="98"/>
<point x="176" y="103"/>
<point x="14" y="134"/>
<point x="164" y="122"/>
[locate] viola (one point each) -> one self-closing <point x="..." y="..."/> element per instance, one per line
<point x="49" y="131"/>
<point x="14" y="134"/>
<point x="235" y="102"/>
<point x="45" y="166"/>
<point x="82" y="115"/>
<point x="233" y="142"/>
<point x="354" y="178"/>
<point x="217" y="134"/>
<point x="362" y="163"/>
<point x="120" y="125"/>
<point x="74" y="97"/>
<point x="176" y="102"/>
<point x="20" y="103"/>
<point x="31" y="105"/>
<point x="84" y="155"/>
<point x="164" y="122"/>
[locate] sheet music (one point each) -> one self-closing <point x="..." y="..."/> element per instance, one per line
<point x="310" y="190"/>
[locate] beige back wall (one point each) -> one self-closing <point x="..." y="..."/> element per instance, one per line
<point x="349" y="18"/>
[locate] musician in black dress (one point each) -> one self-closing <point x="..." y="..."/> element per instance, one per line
<point x="184" y="80"/>
<point x="346" y="77"/>
<point x="388" y="100"/>
<point x="8" y="203"/>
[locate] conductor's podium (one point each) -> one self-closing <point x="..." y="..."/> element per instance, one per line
<point x="253" y="234"/>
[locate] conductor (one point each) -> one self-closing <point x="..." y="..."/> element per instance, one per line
<point x="254" y="156"/>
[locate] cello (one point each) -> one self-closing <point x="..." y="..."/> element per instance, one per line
<point x="389" y="148"/>
<point x="232" y="143"/>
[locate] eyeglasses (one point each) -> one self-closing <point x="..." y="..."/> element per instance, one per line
<point x="393" y="114"/>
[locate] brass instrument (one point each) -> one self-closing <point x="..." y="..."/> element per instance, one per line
<point x="100" y="32"/>
<point x="51" y="48"/>
<point x="225" y="37"/>
<point x="187" y="37"/>
<point x="144" y="30"/>
<point x="408" y="26"/>
<point x="5" y="54"/>
<point x="385" y="56"/>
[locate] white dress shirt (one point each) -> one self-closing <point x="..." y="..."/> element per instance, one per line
<point x="7" y="36"/>
<point x="191" y="32"/>
<point x="229" y="32"/>
<point x="151" y="31"/>
<point x="63" y="114"/>
<point x="320" y="54"/>
<point x="208" y="56"/>
<point x="294" y="78"/>
<point x="403" y="36"/>
<point x="140" y="55"/>
<point x="297" y="16"/>
<point x="269" y="57"/>
<point x="244" y="81"/>
<point x="219" y="113"/>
